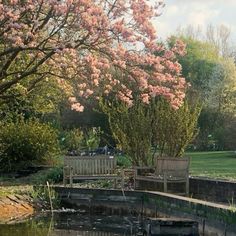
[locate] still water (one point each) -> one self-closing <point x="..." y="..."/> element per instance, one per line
<point x="72" y="224"/>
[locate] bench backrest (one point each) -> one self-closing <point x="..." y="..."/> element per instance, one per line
<point x="175" y="166"/>
<point x="91" y="165"/>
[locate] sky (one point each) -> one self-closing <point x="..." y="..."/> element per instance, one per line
<point x="198" y="13"/>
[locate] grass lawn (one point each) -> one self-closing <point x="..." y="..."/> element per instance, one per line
<point x="213" y="164"/>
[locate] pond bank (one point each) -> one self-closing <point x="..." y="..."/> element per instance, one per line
<point x="15" y="208"/>
<point x="17" y="203"/>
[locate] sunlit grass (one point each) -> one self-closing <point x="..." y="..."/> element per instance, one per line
<point x="220" y="165"/>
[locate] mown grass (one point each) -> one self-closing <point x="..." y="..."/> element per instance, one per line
<point x="220" y="165"/>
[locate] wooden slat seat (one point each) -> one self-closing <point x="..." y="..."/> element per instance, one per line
<point x="166" y="170"/>
<point x="90" y="168"/>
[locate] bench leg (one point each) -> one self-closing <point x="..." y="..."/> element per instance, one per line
<point x="187" y="187"/>
<point x="135" y="174"/>
<point x="71" y="177"/>
<point x="64" y="176"/>
<point x="64" y="181"/>
<point x="123" y="179"/>
<point x="115" y="183"/>
<point x="165" y="183"/>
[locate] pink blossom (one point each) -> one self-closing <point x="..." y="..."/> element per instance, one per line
<point x="77" y="107"/>
<point x="145" y="98"/>
<point x="92" y="48"/>
<point x="72" y="99"/>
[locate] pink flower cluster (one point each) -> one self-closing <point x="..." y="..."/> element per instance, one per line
<point x="92" y="47"/>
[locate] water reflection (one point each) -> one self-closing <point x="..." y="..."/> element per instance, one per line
<point x="72" y="224"/>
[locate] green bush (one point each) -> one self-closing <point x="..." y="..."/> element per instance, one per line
<point x="124" y="161"/>
<point x="92" y="138"/>
<point x="52" y="175"/>
<point x="131" y="128"/>
<point x="73" y="140"/>
<point x="24" y="143"/>
<point x="173" y="129"/>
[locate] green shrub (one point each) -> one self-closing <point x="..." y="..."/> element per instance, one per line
<point x="55" y="175"/>
<point x="131" y="128"/>
<point x="124" y="161"/>
<point x="52" y="175"/>
<point x="24" y="143"/>
<point x="92" y="138"/>
<point x="173" y="129"/>
<point x="73" y="140"/>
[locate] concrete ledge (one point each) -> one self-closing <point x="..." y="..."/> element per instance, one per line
<point x="212" y="218"/>
<point x="213" y="189"/>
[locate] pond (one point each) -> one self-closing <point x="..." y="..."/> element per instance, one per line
<point x="73" y="224"/>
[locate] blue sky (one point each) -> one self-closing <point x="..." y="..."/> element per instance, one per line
<point x="198" y="13"/>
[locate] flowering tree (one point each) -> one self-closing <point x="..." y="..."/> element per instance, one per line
<point x="82" y="43"/>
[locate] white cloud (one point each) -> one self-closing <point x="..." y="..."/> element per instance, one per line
<point x="201" y="16"/>
<point x="172" y="10"/>
<point x="197" y="13"/>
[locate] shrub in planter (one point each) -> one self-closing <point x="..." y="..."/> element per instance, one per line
<point x="24" y="143"/>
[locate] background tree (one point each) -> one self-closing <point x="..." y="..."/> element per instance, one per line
<point x="222" y="96"/>
<point x="209" y="67"/>
<point x="220" y="37"/>
<point x="198" y="65"/>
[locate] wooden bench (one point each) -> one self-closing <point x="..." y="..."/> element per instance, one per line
<point x="167" y="170"/>
<point x="90" y="168"/>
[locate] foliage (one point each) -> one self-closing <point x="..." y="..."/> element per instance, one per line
<point x="173" y="129"/>
<point x="25" y="142"/>
<point x="92" y="138"/>
<point x="124" y="161"/>
<point x="131" y="129"/>
<point x="81" y="44"/>
<point x="222" y="96"/>
<point x="78" y="140"/>
<point x="224" y="135"/>
<point x="212" y="75"/>
<point x="53" y="175"/>
<point x="138" y="127"/>
<point x="41" y="194"/>
<point x="47" y="97"/>
<point x="198" y="65"/>
<point x="73" y="140"/>
<point x="208" y="122"/>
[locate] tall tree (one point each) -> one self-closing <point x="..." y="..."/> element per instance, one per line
<point x="198" y="65"/>
<point x="222" y="96"/>
<point x="210" y="69"/>
<point x="220" y="37"/>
